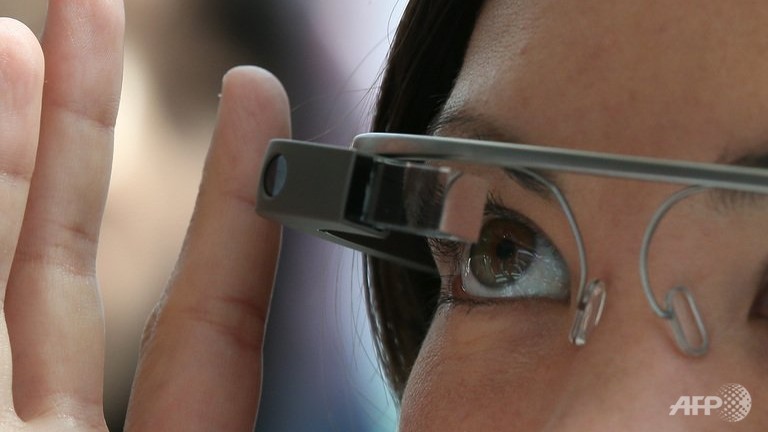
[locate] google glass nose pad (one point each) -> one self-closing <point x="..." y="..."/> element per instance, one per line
<point x="588" y="312"/>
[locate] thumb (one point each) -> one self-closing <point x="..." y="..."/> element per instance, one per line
<point x="200" y="365"/>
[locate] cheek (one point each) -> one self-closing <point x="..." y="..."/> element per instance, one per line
<point x="473" y="375"/>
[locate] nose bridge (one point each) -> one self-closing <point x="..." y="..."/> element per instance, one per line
<point x="613" y="243"/>
<point x="630" y="386"/>
<point x="628" y="374"/>
<point x="630" y="371"/>
<point x="612" y="216"/>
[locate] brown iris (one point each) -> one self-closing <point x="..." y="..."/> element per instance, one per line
<point x="506" y="249"/>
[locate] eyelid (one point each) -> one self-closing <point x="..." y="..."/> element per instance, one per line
<point x="725" y="200"/>
<point x="450" y="251"/>
<point x="453" y="253"/>
<point x="494" y="208"/>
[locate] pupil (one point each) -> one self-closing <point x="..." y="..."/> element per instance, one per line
<point x="506" y="249"/>
<point x="504" y="253"/>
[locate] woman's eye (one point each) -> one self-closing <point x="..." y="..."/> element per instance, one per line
<point x="513" y="259"/>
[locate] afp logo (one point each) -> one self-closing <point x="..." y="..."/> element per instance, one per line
<point x="732" y="404"/>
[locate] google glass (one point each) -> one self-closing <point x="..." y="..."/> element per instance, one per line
<point x="504" y="204"/>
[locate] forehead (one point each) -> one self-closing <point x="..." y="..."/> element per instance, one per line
<point x="675" y="79"/>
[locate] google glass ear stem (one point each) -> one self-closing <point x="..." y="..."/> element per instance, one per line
<point x="385" y="206"/>
<point x="379" y="205"/>
<point x="382" y="198"/>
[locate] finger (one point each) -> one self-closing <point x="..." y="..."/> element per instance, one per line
<point x="200" y="367"/>
<point x="53" y="306"/>
<point x="21" y="87"/>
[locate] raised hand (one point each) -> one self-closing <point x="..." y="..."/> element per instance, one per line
<point x="201" y="361"/>
<point x="57" y="113"/>
<point x="200" y="366"/>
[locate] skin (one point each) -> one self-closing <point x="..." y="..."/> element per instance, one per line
<point x="676" y="81"/>
<point x="200" y="365"/>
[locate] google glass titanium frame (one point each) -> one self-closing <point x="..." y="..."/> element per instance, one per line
<point x="355" y="197"/>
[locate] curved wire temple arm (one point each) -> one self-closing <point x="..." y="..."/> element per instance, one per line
<point x="590" y="299"/>
<point x="686" y="342"/>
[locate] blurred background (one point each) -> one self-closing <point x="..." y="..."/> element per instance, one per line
<point x="321" y="372"/>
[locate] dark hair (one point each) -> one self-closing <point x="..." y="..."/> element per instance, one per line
<point x="424" y="60"/>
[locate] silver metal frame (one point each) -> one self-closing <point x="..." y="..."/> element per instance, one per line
<point x="699" y="176"/>
<point x="392" y="149"/>
<point x="566" y="160"/>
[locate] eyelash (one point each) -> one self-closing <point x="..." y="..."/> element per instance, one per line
<point x="451" y="251"/>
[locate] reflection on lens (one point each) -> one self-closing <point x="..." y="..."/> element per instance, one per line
<point x="518" y="251"/>
<point x="503" y="254"/>
<point x="513" y="259"/>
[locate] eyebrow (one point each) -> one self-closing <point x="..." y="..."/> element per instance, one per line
<point x="728" y="199"/>
<point x="457" y="120"/>
<point x="752" y="159"/>
<point x="469" y="125"/>
<point x="460" y="122"/>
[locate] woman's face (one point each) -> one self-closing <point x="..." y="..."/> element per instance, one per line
<point x="675" y="80"/>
